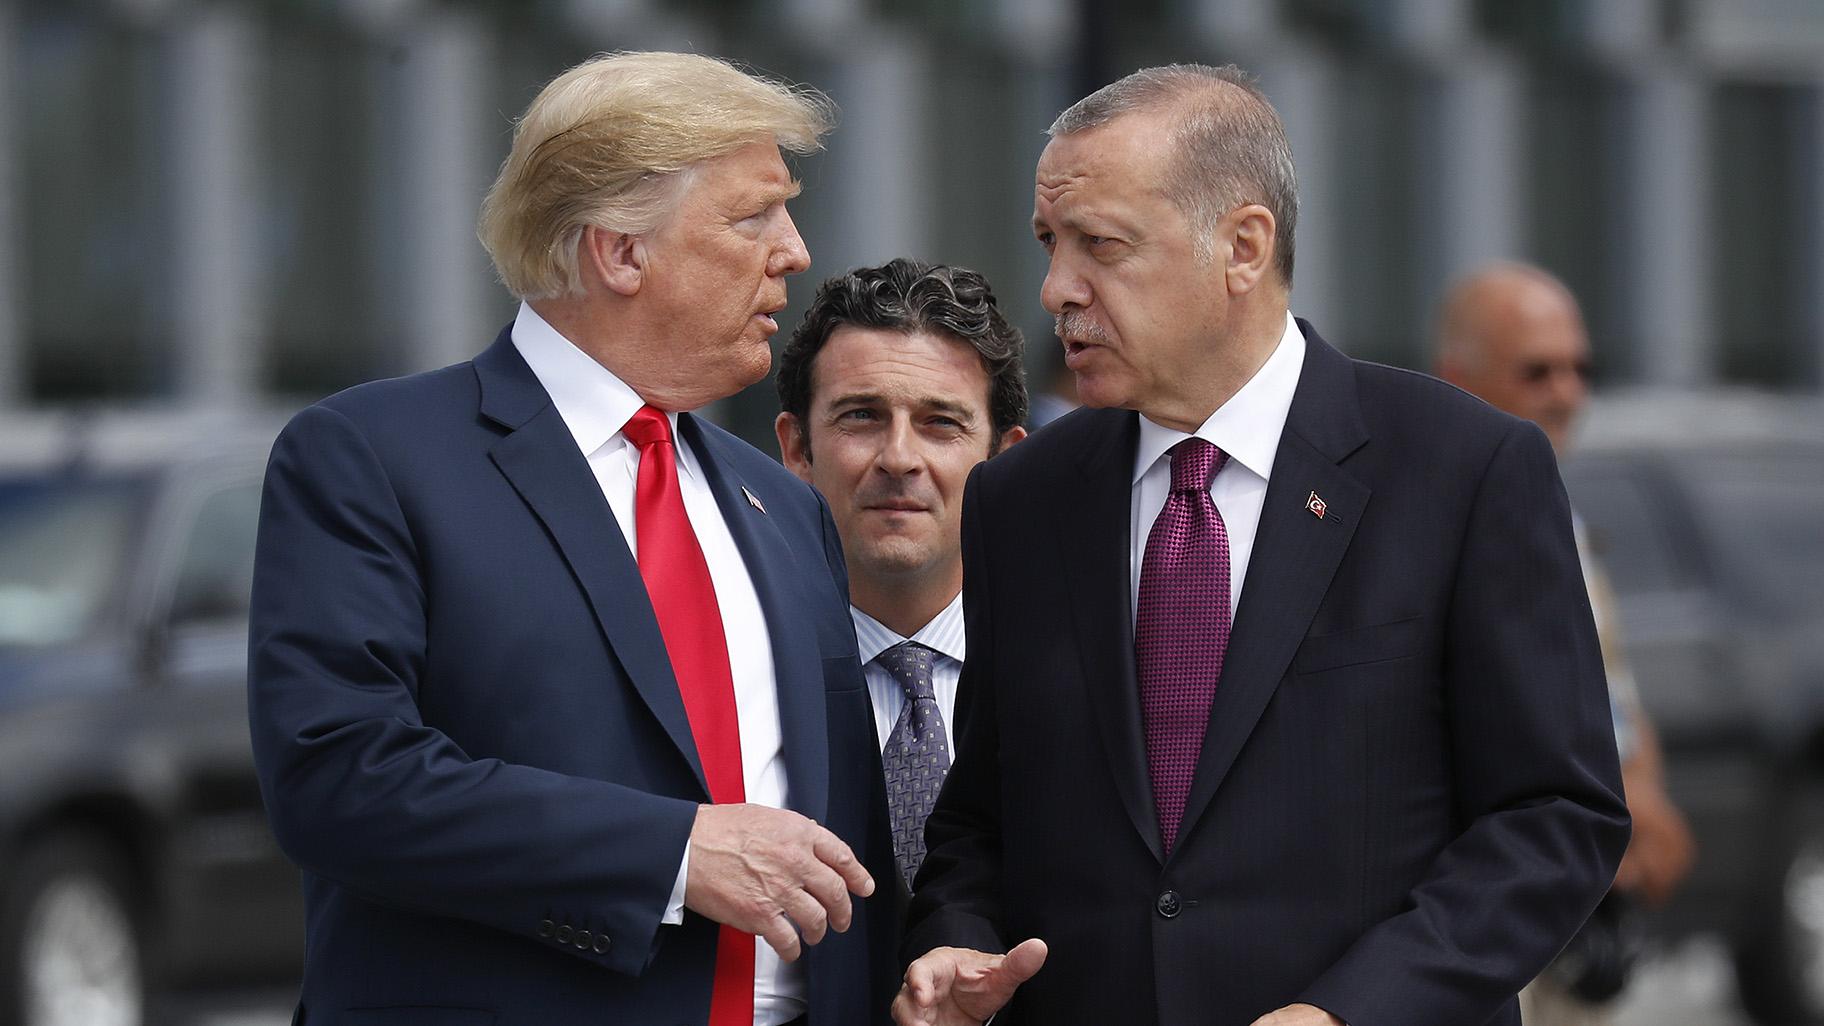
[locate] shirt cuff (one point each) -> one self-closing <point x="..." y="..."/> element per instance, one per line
<point x="674" y="907"/>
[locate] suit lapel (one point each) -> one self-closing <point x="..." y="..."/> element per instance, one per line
<point x="797" y="663"/>
<point x="540" y="459"/>
<point x="1093" y="541"/>
<point x="1295" y="555"/>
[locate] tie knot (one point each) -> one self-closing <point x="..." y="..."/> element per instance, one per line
<point x="647" y="427"/>
<point x="910" y="664"/>
<point x="1195" y="463"/>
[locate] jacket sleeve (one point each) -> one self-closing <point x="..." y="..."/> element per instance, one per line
<point x="361" y="792"/>
<point x="1534" y="775"/>
<point x="955" y="900"/>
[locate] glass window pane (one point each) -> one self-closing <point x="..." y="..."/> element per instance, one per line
<point x="216" y="576"/>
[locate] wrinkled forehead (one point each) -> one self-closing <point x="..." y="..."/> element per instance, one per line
<point x="1124" y="156"/>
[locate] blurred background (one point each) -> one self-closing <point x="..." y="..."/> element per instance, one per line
<point x="214" y="212"/>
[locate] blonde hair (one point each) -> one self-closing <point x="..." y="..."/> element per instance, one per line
<point x="612" y="143"/>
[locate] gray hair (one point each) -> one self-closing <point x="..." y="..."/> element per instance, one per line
<point x="1230" y="144"/>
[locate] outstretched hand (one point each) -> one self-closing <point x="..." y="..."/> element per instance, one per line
<point x="963" y="987"/>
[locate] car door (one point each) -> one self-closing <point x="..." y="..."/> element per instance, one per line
<point x="1677" y="641"/>
<point x="234" y="900"/>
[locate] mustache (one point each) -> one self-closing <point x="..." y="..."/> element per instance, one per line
<point x="1080" y="326"/>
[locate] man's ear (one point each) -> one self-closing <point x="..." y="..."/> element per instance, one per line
<point x="616" y="259"/>
<point x="1010" y="436"/>
<point x="1250" y="229"/>
<point x="794" y="446"/>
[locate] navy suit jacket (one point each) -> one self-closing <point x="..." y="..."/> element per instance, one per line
<point x="467" y="729"/>
<point x="1407" y="799"/>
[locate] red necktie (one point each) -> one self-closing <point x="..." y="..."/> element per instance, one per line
<point x="684" y="598"/>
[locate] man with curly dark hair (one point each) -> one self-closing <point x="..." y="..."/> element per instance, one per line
<point x="898" y="382"/>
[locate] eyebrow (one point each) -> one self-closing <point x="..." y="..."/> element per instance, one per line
<point x="929" y="403"/>
<point x="1077" y="221"/>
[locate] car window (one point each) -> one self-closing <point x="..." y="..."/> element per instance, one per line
<point x="215" y="577"/>
<point x="1627" y="528"/>
<point x="63" y="546"/>
<point x="1767" y="509"/>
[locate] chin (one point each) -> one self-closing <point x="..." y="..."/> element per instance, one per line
<point x="755" y="360"/>
<point x="892" y="557"/>
<point x="1099" y="397"/>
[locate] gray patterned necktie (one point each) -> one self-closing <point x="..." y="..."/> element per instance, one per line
<point x="916" y="757"/>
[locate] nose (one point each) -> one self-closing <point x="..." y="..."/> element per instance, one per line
<point x="899" y="447"/>
<point x="1063" y="289"/>
<point x="790" y="255"/>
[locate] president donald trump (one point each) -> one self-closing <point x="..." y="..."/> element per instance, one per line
<point x="554" y="689"/>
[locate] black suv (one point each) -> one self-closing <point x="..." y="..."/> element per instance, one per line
<point x="134" y="852"/>
<point x="1709" y="515"/>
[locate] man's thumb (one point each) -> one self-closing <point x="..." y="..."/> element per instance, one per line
<point x="1024" y="961"/>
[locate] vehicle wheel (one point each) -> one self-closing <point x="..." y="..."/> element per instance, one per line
<point x="1780" y="966"/>
<point x="70" y="952"/>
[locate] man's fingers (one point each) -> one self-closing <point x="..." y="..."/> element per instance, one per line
<point x="928" y="978"/>
<point x="808" y="914"/>
<point x="832" y="852"/>
<point x="778" y="934"/>
<point x="830" y="891"/>
<point x="908" y="1012"/>
<point x="1024" y="961"/>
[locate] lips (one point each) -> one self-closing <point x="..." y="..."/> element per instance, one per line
<point x="765" y="315"/>
<point x="1076" y="352"/>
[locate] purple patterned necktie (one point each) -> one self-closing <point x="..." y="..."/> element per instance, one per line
<point x="916" y="757"/>
<point x="1181" y="627"/>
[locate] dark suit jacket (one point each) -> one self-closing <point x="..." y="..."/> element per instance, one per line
<point x="1407" y="799"/>
<point x="467" y="729"/>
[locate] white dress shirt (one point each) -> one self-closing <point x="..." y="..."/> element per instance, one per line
<point x="595" y="406"/>
<point x="943" y="635"/>
<point x="1247" y="427"/>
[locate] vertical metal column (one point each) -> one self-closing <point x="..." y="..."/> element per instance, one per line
<point x="14" y="389"/>
<point x="1301" y="84"/>
<point x="1660" y="202"/>
<point x="448" y="315"/>
<point x="882" y="195"/>
<point x="1471" y="167"/>
<point x="216" y="304"/>
<point x="1808" y="228"/>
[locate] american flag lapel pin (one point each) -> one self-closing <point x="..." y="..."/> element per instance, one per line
<point x="757" y="504"/>
<point x="1316" y="506"/>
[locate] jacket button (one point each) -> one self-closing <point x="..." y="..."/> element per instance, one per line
<point x="546" y="928"/>
<point x="1168" y="904"/>
<point x="601" y="944"/>
<point x="563" y="934"/>
<point x="582" y="940"/>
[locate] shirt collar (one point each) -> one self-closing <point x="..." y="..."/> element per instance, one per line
<point x="943" y="635"/>
<point x="1248" y="426"/>
<point x="594" y="403"/>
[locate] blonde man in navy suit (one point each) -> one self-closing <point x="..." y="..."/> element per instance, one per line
<point x="554" y="690"/>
